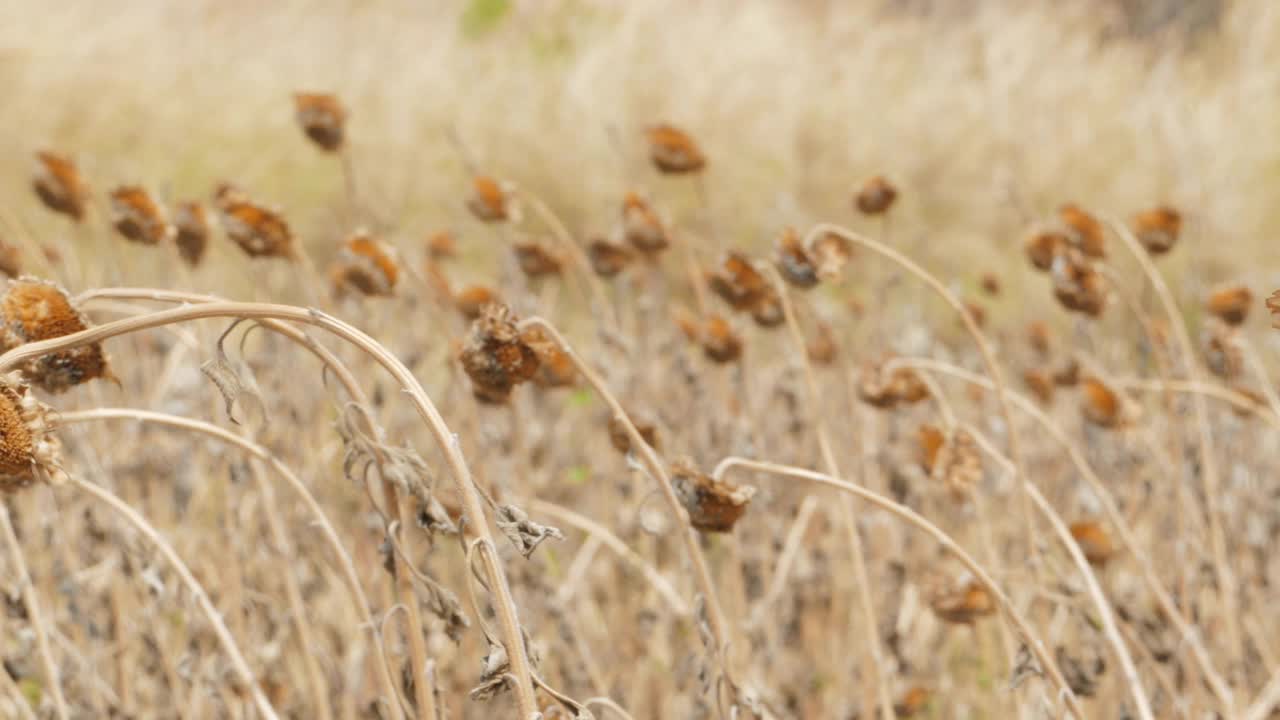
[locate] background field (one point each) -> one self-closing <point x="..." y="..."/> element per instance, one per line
<point x="986" y="114"/>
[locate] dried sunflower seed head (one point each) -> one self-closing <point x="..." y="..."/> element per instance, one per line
<point x="35" y="310"/>
<point x="495" y="357"/>
<point x="29" y="452"/>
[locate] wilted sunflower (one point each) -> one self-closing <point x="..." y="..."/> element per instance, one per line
<point x="876" y="196"/>
<point x="737" y="282"/>
<point x="1094" y="542"/>
<point x="138" y="216"/>
<point x="963" y="605"/>
<point x="442" y="245"/>
<point x="990" y="284"/>
<point x="366" y="264"/>
<point x="608" y="258"/>
<point x="1230" y="304"/>
<point x="29" y="451"/>
<point x="536" y="259"/>
<point x="59" y="185"/>
<point x="495" y="357"/>
<point x="1105" y="406"/>
<point x="1040" y="383"/>
<point x="191" y="219"/>
<point x="673" y="151"/>
<point x="822" y="348"/>
<point x="830" y="252"/>
<point x="719" y="341"/>
<point x="10" y="260"/>
<point x="951" y="459"/>
<point x="555" y="367"/>
<point x="1157" y="229"/>
<point x="322" y="117"/>
<point x="472" y="299"/>
<point x="1041" y="248"/>
<point x="259" y="231"/>
<point x="1038" y="337"/>
<point x="713" y="505"/>
<point x="1222" y="352"/>
<point x="886" y="390"/>
<point x="490" y="200"/>
<point x="914" y="701"/>
<point x="641" y="226"/>
<point x="644" y="425"/>
<point x="37" y="310"/>
<point x="1077" y="285"/>
<point x="793" y="261"/>
<point x="1083" y="231"/>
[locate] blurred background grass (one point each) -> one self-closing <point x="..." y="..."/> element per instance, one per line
<point x="986" y="113"/>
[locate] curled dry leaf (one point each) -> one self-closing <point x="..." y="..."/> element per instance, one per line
<point x="673" y="151"/>
<point x="524" y="533"/>
<point x="322" y="117"/>
<point x="35" y="310"/>
<point x="713" y="505"/>
<point x="234" y="380"/>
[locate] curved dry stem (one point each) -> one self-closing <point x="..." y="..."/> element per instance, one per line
<point x="1237" y="400"/>
<point x="358" y="598"/>
<point x="911" y="517"/>
<point x="861" y="577"/>
<point x="1208" y="462"/>
<point x="1260" y="370"/>
<point x="32" y="604"/>
<point x="602" y="534"/>
<point x="1187" y="632"/>
<point x="971" y="326"/>
<point x="473" y="510"/>
<point x="702" y="574"/>
<point x="193" y="586"/>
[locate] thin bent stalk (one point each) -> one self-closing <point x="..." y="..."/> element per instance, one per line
<point x="1234" y="398"/>
<point x="321" y="520"/>
<point x="861" y="577"/>
<point x="193" y="586"/>
<point x="1186" y="631"/>
<point x="32" y="605"/>
<point x="614" y="543"/>
<point x="473" y="510"/>
<point x="918" y="521"/>
<point x="1208" y="462"/>
<point x="689" y="536"/>
<point x="988" y="356"/>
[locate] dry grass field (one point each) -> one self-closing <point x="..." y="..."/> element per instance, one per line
<point x="599" y="359"/>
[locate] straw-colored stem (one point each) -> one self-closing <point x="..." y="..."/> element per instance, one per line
<point x="689" y="536"/>
<point x="1235" y="399"/>
<point x="1187" y="632"/>
<point x="473" y="510"/>
<point x="902" y="512"/>
<point x="52" y="680"/>
<point x="1226" y="583"/>
<point x="228" y="643"/>
<point x="580" y="259"/>
<point x="847" y="517"/>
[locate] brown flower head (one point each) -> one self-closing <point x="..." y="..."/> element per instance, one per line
<point x="1105" y="406"/>
<point x="322" y="117"/>
<point x="259" y="231"/>
<point x="1083" y="231"/>
<point x="608" y="258"/>
<point x="673" y="151"/>
<point x="913" y="702"/>
<point x="37" y="310"/>
<point x="191" y="220"/>
<point x="769" y="313"/>
<point x="1157" y="229"/>
<point x="876" y="196"/>
<point x="793" y="261"/>
<point x="1230" y="304"/>
<point x="1222" y="352"/>
<point x="1077" y="285"/>
<point x="366" y="264"/>
<point x="1042" y="247"/>
<point x="490" y="201"/>
<point x="1039" y="338"/>
<point x="963" y="605"/>
<point x="737" y="282"/>
<point x="621" y="441"/>
<point x="642" y="227"/>
<point x="886" y="390"/>
<point x="990" y="283"/>
<point x="1040" y="383"/>
<point x="536" y="259"/>
<point x="10" y="260"/>
<point x="1094" y="542"/>
<point x="555" y="367"/>
<point x="830" y="252"/>
<point x="495" y="357"/>
<point x="29" y="451"/>
<point x="473" y="299"/>
<point x="719" y="341"/>
<point x="59" y="185"/>
<point x="951" y="459"/>
<point x="442" y="245"/>
<point x="138" y="217"/>
<point x="713" y="505"/>
<point x="1068" y="375"/>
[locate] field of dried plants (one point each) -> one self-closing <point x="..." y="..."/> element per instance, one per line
<point x="658" y="360"/>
